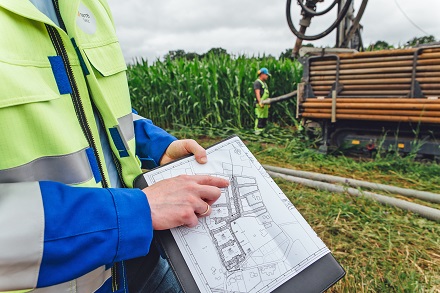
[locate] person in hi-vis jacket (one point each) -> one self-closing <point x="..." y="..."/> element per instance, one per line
<point x="70" y="149"/>
<point x="261" y="93"/>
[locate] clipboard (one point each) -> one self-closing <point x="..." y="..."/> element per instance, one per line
<point x="316" y="277"/>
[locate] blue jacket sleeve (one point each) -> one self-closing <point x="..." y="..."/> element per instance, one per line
<point x="86" y="228"/>
<point x="151" y="142"/>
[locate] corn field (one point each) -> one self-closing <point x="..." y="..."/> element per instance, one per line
<point x="215" y="91"/>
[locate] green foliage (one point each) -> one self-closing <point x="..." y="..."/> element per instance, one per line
<point x="177" y="54"/>
<point x="383" y="45"/>
<point x="216" y="91"/>
<point x="380" y="45"/>
<point x="181" y="54"/>
<point x="215" y="52"/>
<point x="286" y="54"/>
<point x="420" y="40"/>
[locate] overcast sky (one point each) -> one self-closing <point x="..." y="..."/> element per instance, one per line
<point x="151" y="28"/>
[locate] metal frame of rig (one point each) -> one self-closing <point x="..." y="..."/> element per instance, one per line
<point x="388" y="99"/>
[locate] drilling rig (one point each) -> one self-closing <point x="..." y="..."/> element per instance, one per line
<point x="388" y="100"/>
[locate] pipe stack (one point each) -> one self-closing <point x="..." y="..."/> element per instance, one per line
<point x="378" y="86"/>
<point x="375" y="109"/>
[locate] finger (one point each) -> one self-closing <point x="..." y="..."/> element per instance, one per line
<point x="210" y="180"/>
<point x="204" y="210"/>
<point x="209" y="194"/>
<point x="192" y="221"/>
<point x="192" y="147"/>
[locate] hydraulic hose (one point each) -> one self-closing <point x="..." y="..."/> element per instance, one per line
<point x="423" y="195"/>
<point x="424" y="211"/>
<point x="302" y="36"/>
<point x="315" y="13"/>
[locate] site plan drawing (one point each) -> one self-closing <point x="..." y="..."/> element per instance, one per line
<point x="255" y="239"/>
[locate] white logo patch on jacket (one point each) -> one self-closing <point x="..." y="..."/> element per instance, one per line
<point x="85" y="20"/>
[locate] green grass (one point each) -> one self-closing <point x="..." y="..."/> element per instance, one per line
<point x="382" y="248"/>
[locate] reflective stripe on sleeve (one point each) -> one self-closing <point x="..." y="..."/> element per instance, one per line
<point x="122" y="133"/>
<point x="68" y="169"/>
<point x="136" y="117"/>
<point x="126" y="127"/>
<point x="22" y="235"/>
<point x="85" y="284"/>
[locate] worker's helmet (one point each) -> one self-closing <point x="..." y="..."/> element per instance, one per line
<point x="264" y="70"/>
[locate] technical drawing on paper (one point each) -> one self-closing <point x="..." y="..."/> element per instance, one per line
<point x="255" y="239"/>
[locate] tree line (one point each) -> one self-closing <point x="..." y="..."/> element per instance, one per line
<point x="378" y="45"/>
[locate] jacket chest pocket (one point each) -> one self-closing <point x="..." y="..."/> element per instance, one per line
<point x="34" y="115"/>
<point x="108" y="81"/>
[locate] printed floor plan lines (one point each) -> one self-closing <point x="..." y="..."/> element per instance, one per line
<point x="255" y="239"/>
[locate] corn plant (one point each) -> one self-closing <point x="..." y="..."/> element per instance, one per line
<point x="215" y="91"/>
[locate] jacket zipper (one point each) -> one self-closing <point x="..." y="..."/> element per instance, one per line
<point x="115" y="160"/>
<point x="79" y="109"/>
<point x="76" y="99"/>
<point x="80" y="113"/>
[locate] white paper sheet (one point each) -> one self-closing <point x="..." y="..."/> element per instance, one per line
<point x="255" y="239"/>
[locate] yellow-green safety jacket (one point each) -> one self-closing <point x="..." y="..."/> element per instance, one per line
<point x="265" y="88"/>
<point x="262" y="112"/>
<point x="64" y="229"/>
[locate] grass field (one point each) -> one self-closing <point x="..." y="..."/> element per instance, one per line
<point x="382" y="248"/>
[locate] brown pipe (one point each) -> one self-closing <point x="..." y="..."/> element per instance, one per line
<point x="423" y="68"/>
<point x="362" y="76"/>
<point x="374" y="100"/>
<point x="378" y="93"/>
<point x="431" y="50"/>
<point x="434" y="93"/>
<point x="395" y="98"/>
<point x="390" y="106"/>
<point x="381" y="53"/>
<point x="428" y="74"/>
<point x="430" y="86"/>
<point x="322" y="62"/>
<point x="366" y="70"/>
<point x="373" y="63"/>
<point x="428" y="68"/>
<point x="416" y="113"/>
<point x="401" y="93"/>
<point x="374" y="118"/>
<point x="405" y="87"/>
<point x="385" y="53"/>
<point x="376" y="64"/>
<point x="363" y="65"/>
<point x="376" y="76"/>
<point x="434" y="69"/>
<point x="406" y="81"/>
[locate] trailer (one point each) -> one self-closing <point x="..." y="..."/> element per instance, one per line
<point x="386" y="99"/>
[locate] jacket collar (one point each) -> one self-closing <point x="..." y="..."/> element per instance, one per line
<point x="26" y="9"/>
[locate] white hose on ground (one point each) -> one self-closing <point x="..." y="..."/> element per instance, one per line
<point x="424" y="211"/>
<point x="424" y="195"/>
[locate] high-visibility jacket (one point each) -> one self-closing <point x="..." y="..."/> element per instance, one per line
<point x="62" y="225"/>
<point x="262" y="112"/>
<point x="265" y="90"/>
